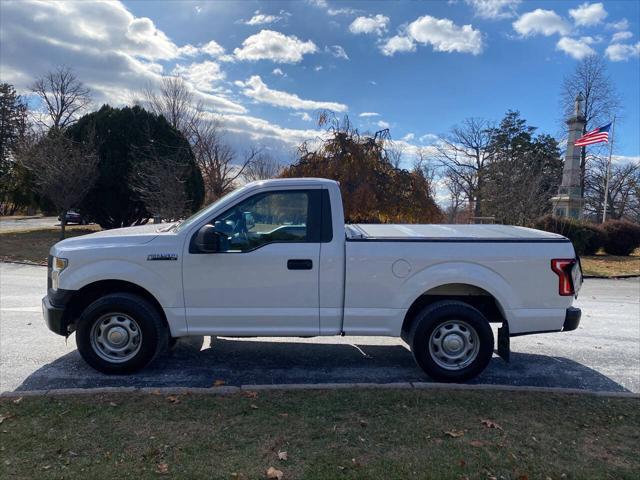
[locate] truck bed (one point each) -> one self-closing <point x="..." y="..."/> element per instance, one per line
<point x="448" y="233"/>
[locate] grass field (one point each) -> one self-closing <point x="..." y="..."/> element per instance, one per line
<point x="345" y="434"/>
<point x="34" y="245"/>
<point x="610" y="265"/>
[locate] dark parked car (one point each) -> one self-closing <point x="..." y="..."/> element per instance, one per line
<point x="74" y="217"/>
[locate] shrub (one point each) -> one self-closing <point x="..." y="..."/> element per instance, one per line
<point x="622" y="237"/>
<point x="587" y="238"/>
<point x="597" y="239"/>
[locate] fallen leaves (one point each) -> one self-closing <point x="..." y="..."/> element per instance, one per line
<point x="249" y="394"/>
<point x="173" y="399"/>
<point x="476" y="443"/>
<point x="162" y="468"/>
<point x="490" y="424"/>
<point x="274" y="474"/>
<point x="218" y="383"/>
<point x="283" y="456"/>
<point x="454" y="433"/>
<point x="17" y="400"/>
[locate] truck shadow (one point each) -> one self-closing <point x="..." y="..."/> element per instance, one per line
<point x="252" y="361"/>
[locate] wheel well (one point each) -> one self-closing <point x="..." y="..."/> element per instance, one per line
<point x="474" y="296"/>
<point x="82" y="298"/>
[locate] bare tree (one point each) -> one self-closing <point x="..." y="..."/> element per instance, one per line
<point x="63" y="95"/>
<point x="429" y="170"/>
<point x="216" y="160"/>
<point x="63" y="170"/>
<point x="624" y="188"/>
<point x="160" y="181"/>
<point x="174" y="100"/>
<point x="458" y="199"/>
<point x="601" y="101"/>
<point x="465" y="154"/>
<point x="263" y="167"/>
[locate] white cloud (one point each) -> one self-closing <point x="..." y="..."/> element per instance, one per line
<point x="342" y="11"/>
<point x="317" y="68"/>
<point x="255" y="88"/>
<point x="408" y="137"/>
<point x="539" y="21"/>
<point x="369" y="114"/>
<point x="383" y="124"/>
<point x="262" y="19"/>
<point x="618" y="52"/>
<point x="619" y="25"/>
<point x="588" y="14"/>
<point x="212" y="48"/>
<point x="576" y="48"/>
<point x="445" y="36"/>
<point x="274" y="46"/>
<point x="428" y="137"/>
<point x="621" y="36"/>
<point x="376" y="24"/>
<point x="279" y="72"/>
<point x="337" y="51"/>
<point x="304" y="116"/>
<point x="441" y="33"/>
<point x="259" y="130"/>
<point x="201" y="75"/>
<point x="113" y="52"/>
<point x="494" y="9"/>
<point x="397" y="43"/>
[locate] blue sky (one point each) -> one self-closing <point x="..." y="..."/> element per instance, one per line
<point x="265" y="68"/>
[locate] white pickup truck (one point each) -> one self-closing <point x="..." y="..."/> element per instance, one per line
<point x="274" y="258"/>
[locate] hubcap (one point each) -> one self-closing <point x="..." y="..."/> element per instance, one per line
<point x="116" y="337"/>
<point x="454" y="345"/>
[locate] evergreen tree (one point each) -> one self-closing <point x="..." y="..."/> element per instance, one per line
<point x="123" y="138"/>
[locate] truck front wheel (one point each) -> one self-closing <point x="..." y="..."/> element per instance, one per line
<point x="120" y="333"/>
<point x="451" y="341"/>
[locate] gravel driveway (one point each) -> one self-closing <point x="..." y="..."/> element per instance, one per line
<point x="603" y="354"/>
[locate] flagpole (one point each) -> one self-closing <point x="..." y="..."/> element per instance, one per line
<point x="606" y="182"/>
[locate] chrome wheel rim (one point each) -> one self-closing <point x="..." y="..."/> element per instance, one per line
<point x="116" y="337"/>
<point x="454" y="345"/>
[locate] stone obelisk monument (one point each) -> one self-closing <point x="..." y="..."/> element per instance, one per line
<point x="569" y="202"/>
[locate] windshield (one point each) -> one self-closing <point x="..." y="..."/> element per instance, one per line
<point x="205" y="212"/>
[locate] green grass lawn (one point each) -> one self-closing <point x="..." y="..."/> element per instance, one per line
<point x="344" y="434"/>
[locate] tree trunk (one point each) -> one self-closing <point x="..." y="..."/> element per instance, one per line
<point x="63" y="223"/>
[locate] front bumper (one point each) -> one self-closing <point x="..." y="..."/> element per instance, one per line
<point x="571" y="319"/>
<point x="54" y="311"/>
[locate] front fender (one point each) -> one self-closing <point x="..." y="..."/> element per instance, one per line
<point x="162" y="283"/>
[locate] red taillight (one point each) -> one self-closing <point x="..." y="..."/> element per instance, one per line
<point x="562" y="267"/>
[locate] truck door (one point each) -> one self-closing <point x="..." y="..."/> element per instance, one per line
<point x="264" y="279"/>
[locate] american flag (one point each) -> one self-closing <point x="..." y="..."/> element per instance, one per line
<point x="597" y="135"/>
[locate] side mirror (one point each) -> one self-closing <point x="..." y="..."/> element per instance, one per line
<point x="208" y="240"/>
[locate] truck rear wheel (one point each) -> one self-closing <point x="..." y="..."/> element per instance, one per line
<point x="120" y="333"/>
<point x="451" y="341"/>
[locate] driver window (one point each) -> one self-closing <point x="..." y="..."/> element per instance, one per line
<point x="265" y="218"/>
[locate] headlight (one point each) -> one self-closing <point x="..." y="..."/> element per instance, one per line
<point x="57" y="266"/>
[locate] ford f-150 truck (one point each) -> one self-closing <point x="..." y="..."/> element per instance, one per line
<point x="275" y="258"/>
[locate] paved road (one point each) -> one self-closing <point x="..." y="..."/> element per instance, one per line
<point x="28" y="223"/>
<point x="603" y="354"/>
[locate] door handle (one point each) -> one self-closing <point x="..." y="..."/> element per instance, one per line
<point x="296" y="264"/>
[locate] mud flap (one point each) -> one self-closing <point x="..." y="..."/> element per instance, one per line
<point x="504" y="347"/>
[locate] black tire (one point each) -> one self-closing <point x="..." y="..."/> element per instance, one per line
<point x="441" y="314"/>
<point x="154" y="333"/>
